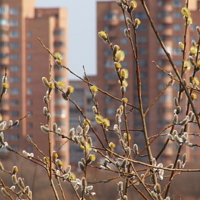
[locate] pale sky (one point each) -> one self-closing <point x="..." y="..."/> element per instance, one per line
<point x="82" y="33"/>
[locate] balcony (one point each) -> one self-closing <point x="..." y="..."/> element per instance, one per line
<point x="167" y="7"/>
<point x="112" y="18"/>
<point x="4" y="58"/>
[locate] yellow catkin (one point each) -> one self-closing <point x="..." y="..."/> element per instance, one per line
<point x="125" y="100"/>
<point x="5" y="85"/>
<point x="86" y="122"/>
<point x="133" y="4"/>
<point x="120" y="55"/>
<point x="193" y="96"/>
<point x="137" y="21"/>
<point x="106" y="122"/>
<point x="99" y="119"/>
<point x="124" y="73"/>
<point x="185" y="12"/>
<point x="94" y="88"/>
<point x="72" y="176"/>
<point x="118" y="65"/>
<point x="127" y="136"/>
<point x="92" y="157"/>
<point x="103" y="35"/>
<point x="58" y="56"/>
<point x="112" y="145"/>
<point x="193" y="50"/>
<point x="70" y="89"/>
<point x="61" y="84"/>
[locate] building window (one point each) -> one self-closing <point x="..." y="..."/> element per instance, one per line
<point x="143" y="63"/>
<point x="29" y="102"/>
<point x="60" y="78"/>
<point x="178" y="63"/>
<point x="123" y="41"/>
<point x="14" y="56"/>
<point x="29" y="57"/>
<point x="126" y="52"/>
<point x="30" y="113"/>
<point x="177" y="15"/>
<point x="161" y="51"/>
<point x="177" y="51"/>
<point x="30" y="125"/>
<point x="14" y="68"/>
<point x="59" y="32"/>
<point x="108" y="64"/>
<point x="164" y="26"/>
<point x="59" y="102"/>
<point x="159" y="3"/>
<point x="137" y="122"/>
<point x="143" y="75"/>
<point x="14" y="79"/>
<point x="4" y="9"/>
<point x="124" y="64"/>
<point x="177" y="39"/>
<point x="3" y="44"/>
<point x="110" y="16"/>
<point x="110" y="111"/>
<point x="29" y="91"/>
<point x="4" y="22"/>
<point x="193" y="38"/>
<point x="142" y="51"/>
<point x="164" y="110"/>
<point x="29" y="79"/>
<point x="14" y="34"/>
<point x="14" y="11"/>
<point x="107" y="52"/>
<point x="14" y="22"/>
<point x="15" y="113"/>
<point x="144" y="87"/>
<point x="29" y="33"/>
<point x="29" y="45"/>
<point x="30" y="148"/>
<point x="59" y="44"/>
<point x="165" y="98"/>
<point x="162" y="75"/>
<point x="163" y="14"/>
<point x="14" y="102"/>
<point x="163" y="122"/>
<point x="14" y="91"/>
<point x="177" y="27"/>
<point x="177" y="4"/>
<point x="3" y="33"/>
<point x="122" y="28"/>
<point x="142" y="39"/>
<point x="56" y="67"/>
<point x="192" y="27"/>
<point x="109" y="99"/>
<point x="140" y="15"/>
<point x="14" y="45"/>
<point x="110" y="76"/>
<point x="3" y="56"/>
<point x="142" y="27"/>
<point x="61" y="113"/>
<point x="176" y="87"/>
<point x="15" y="147"/>
<point x="30" y="68"/>
<point x="15" y="137"/>
<point x="161" y="86"/>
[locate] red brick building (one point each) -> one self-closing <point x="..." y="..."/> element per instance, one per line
<point x="27" y="61"/>
<point x="170" y="25"/>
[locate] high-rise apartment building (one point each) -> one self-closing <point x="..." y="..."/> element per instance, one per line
<point x="21" y="24"/>
<point x="170" y="25"/>
<point x="83" y="99"/>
